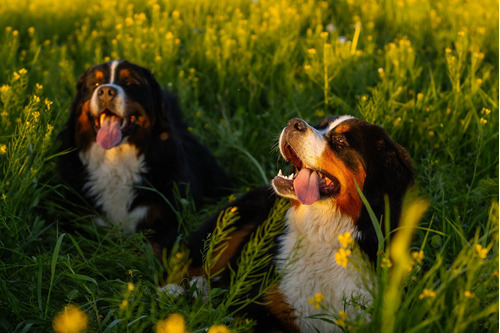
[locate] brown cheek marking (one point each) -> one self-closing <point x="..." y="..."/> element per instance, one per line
<point x="279" y="307"/>
<point x="348" y="200"/>
<point x="143" y="121"/>
<point x="83" y="128"/>
<point x="99" y="75"/>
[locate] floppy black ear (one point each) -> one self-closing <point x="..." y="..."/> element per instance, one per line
<point x="388" y="171"/>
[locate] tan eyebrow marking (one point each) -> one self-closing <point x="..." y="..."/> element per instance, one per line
<point x="124" y="73"/>
<point x="99" y="75"/>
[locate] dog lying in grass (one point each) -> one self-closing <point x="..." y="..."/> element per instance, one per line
<point x="124" y="137"/>
<point x="326" y="251"/>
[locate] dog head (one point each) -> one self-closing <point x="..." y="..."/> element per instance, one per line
<point x="116" y="102"/>
<point x="331" y="158"/>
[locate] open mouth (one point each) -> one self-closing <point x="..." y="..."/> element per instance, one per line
<point x="308" y="183"/>
<point x="111" y="128"/>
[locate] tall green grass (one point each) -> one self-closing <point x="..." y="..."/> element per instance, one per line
<point x="425" y="70"/>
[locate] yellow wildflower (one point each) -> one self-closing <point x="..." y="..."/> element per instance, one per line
<point x="482" y="252"/>
<point x="386" y="263"/>
<point x="324" y="34"/>
<point x="3" y="149"/>
<point x="70" y="320"/>
<point x="427" y="293"/>
<point x="468" y="294"/>
<point x="341" y="257"/>
<point x="342" y="318"/>
<point x="219" y="329"/>
<point x="483" y="121"/>
<point x="345" y="239"/>
<point x="130" y="286"/>
<point x="231" y="198"/>
<point x="174" y="323"/>
<point x="485" y="111"/>
<point x="418" y="256"/>
<point x="124" y="304"/>
<point x="316" y="301"/>
<point x="311" y="51"/>
<point x="234" y="209"/>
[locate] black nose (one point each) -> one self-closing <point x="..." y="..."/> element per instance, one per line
<point x="297" y="124"/>
<point x="106" y="93"/>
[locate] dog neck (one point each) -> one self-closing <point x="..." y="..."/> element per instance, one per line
<point x="308" y="265"/>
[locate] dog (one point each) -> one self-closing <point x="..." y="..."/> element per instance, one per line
<point x="127" y="152"/>
<point x="329" y="162"/>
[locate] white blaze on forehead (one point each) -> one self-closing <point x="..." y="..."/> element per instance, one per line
<point x="113" y="66"/>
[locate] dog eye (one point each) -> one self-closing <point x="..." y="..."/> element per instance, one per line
<point x="130" y="82"/>
<point x="339" y="141"/>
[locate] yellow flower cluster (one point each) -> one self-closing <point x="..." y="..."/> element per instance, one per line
<point x="386" y="263"/>
<point x="341" y="256"/>
<point x="70" y="320"/>
<point x="316" y="301"/>
<point x="219" y="329"/>
<point x="427" y="293"/>
<point x="342" y="318"/>
<point x="174" y="323"/>
<point x="482" y="252"/>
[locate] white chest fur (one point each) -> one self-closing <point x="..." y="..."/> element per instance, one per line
<point x="307" y="256"/>
<point x="111" y="176"/>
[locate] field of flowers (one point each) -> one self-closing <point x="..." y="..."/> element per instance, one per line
<point x="425" y="70"/>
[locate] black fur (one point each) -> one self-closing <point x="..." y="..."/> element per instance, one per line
<point x="388" y="171"/>
<point x="179" y="160"/>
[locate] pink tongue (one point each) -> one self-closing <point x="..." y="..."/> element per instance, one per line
<point x="306" y="186"/>
<point x="110" y="134"/>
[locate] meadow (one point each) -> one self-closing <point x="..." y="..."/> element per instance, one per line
<point x="425" y="70"/>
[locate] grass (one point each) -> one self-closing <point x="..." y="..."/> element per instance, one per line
<point x="425" y="70"/>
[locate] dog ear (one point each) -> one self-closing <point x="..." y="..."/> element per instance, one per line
<point x="165" y="104"/>
<point x="389" y="172"/>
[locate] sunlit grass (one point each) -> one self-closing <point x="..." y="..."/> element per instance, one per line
<point x="425" y="70"/>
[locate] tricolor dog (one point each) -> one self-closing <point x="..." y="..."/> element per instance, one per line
<point x="125" y="137"/>
<point x="327" y="161"/>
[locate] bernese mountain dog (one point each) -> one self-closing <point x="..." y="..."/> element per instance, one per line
<point x="328" y="160"/>
<point x="128" y="154"/>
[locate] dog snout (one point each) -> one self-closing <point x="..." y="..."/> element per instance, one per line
<point x="106" y="94"/>
<point x="297" y="125"/>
